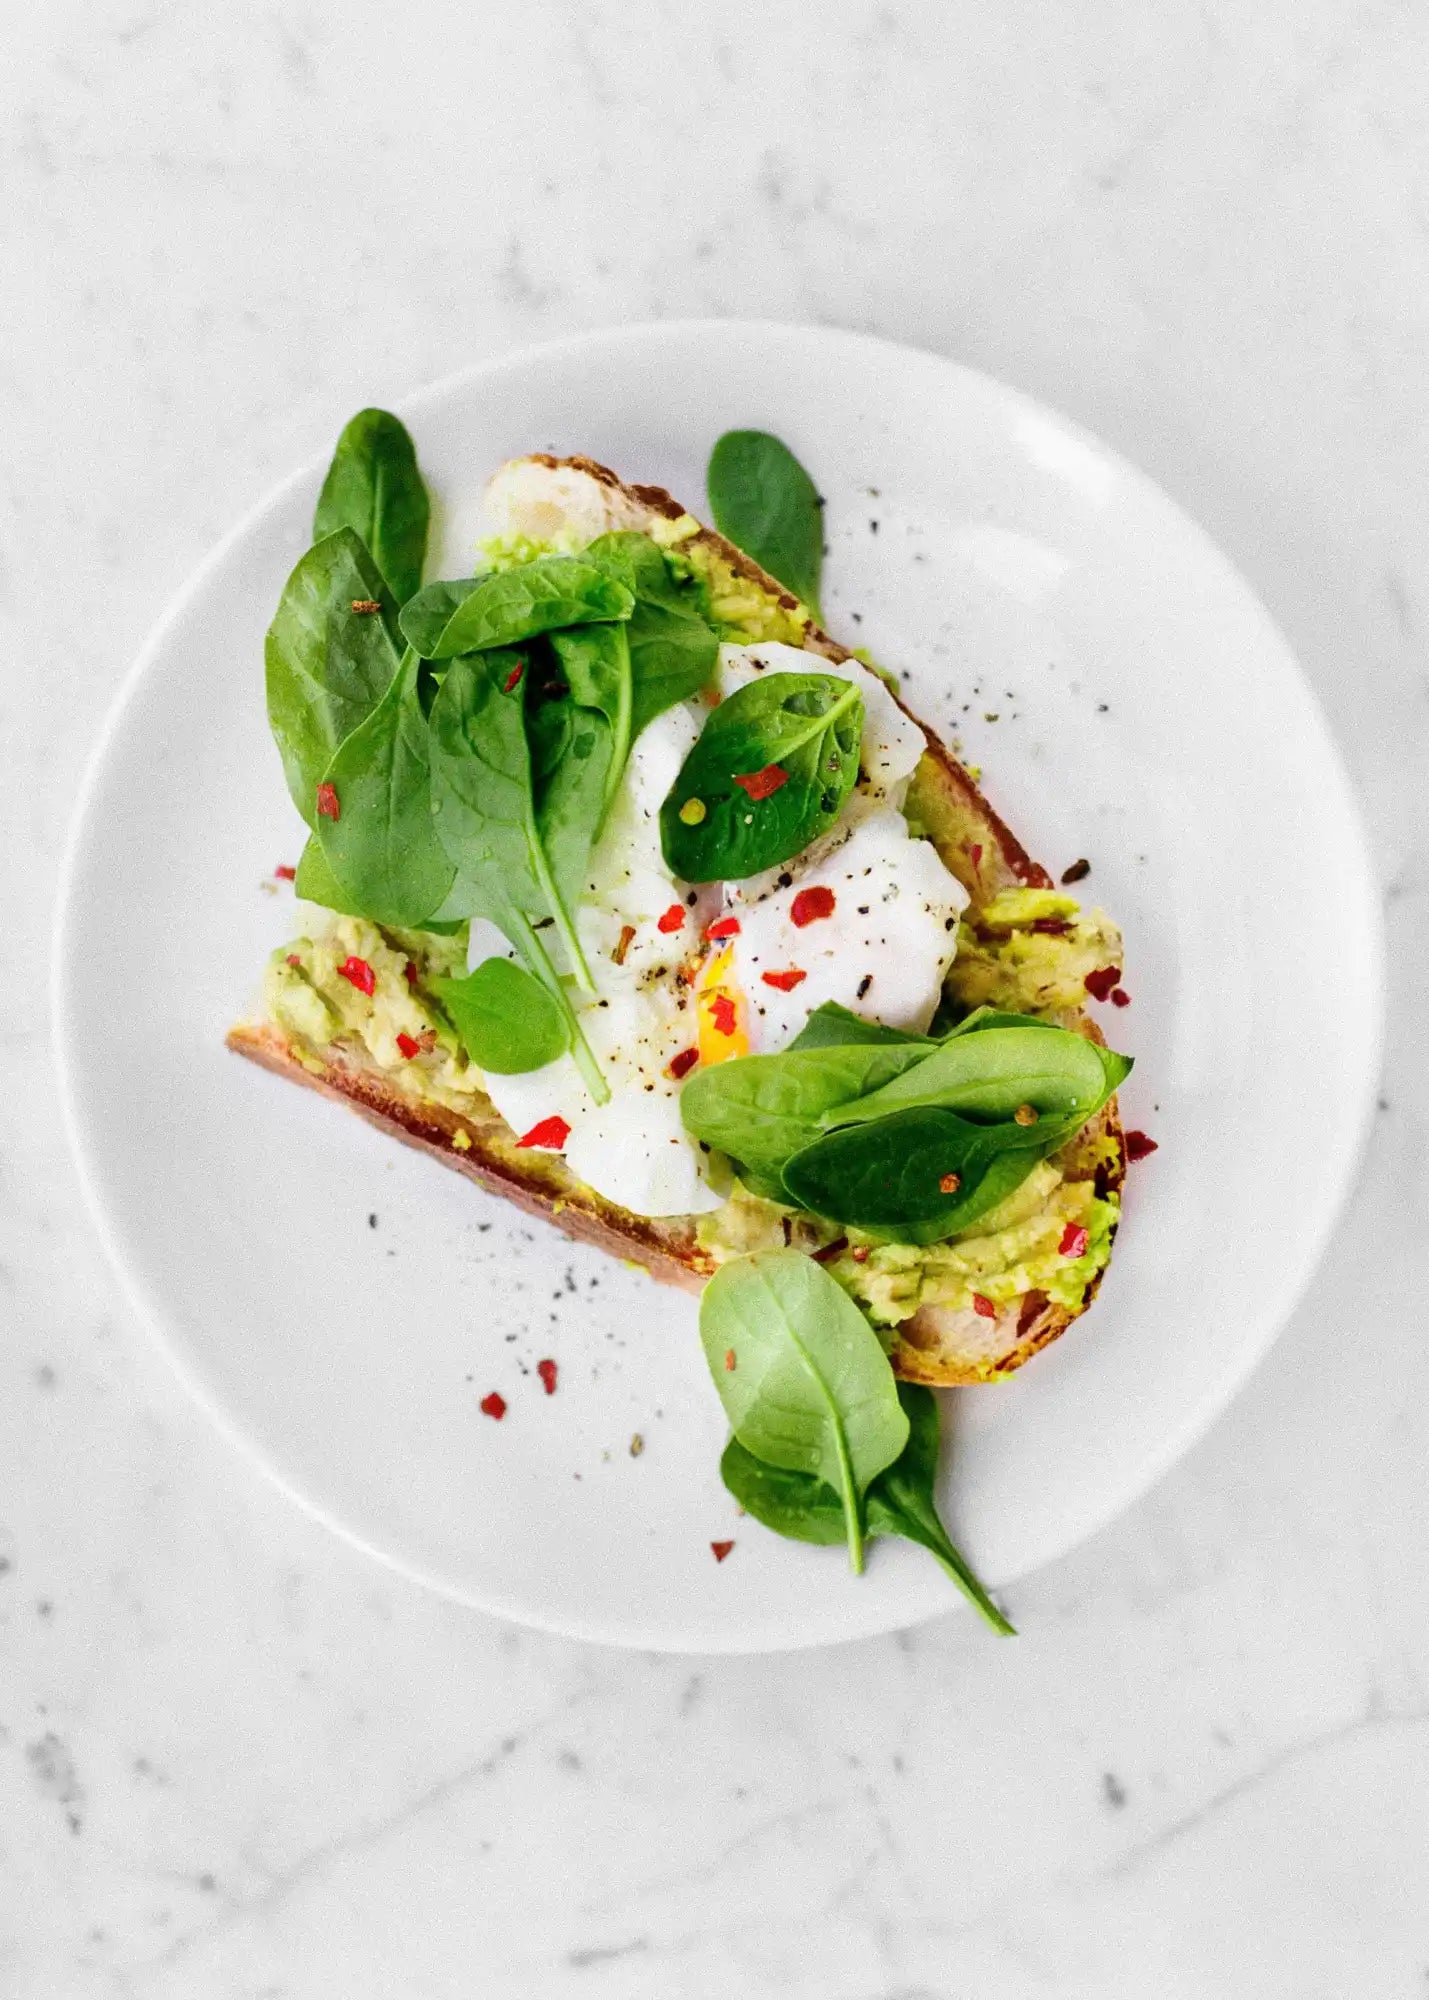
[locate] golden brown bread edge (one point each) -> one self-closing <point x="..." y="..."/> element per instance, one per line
<point x="938" y="1346"/>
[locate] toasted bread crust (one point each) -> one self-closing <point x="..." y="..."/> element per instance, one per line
<point x="938" y="1346"/>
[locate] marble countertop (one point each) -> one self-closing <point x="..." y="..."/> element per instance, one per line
<point x="237" y="1762"/>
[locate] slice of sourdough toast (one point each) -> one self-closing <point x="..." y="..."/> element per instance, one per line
<point x="1003" y="958"/>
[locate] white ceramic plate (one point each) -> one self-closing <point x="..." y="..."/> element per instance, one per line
<point x="1148" y="715"/>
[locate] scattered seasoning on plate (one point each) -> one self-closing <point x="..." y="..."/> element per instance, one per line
<point x="784" y="982"/>
<point x="682" y="1064"/>
<point x="721" y="1550"/>
<point x="1120" y="997"/>
<point x="328" y="806"/>
<point x="365" y="606"/>
<point x="1026" y="1114"/>
<point x="285" y="873"/>
<point x="722" y="1013"/>
<point x="547" y="1372"/>
<point x="494" y="1405"/>
<point x="637" y="1445"/>
<point x="1100" y="983"/>
<point x="550" y="1133"/>
<point x="673" y="919"/>
<point x="357" y="972"/>
<point x="811" y="904"/>
<point x="1139" y="1145"/>
<point x="1078" y="872"/>
<point x="863" y="986"/>
<point x="950" y="1183"/>
<point x="727" y="927"/>
<point x="627" y="938"/>
<point x="409" y="1046"/>
<point x="729" y="1360"/>
<point x="762" y="784"/>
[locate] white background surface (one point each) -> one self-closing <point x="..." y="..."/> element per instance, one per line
<point x="235" y="1760"/>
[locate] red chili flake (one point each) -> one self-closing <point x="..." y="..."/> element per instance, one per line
<point x="811" y="904"/>
<point x="784" y="981"/>
<point x="763" y="784"/>
<point x="1120" y="997"/>
<point x="726" y="927"/>
<point x="494" y="1405"/>
<point x="293" y="959"/>
<point x="1050" y="926"/>
<point x="859" y="1253"/>
<point x="1074" y="1241"/>
<point x="547" y="1372"/>
<point x="513" y="679"/>
<point x="950" y="1183"/>
<point x="722" y="1013"/>
<point x="1100" y="983"/>
<point x="721" y="1550"/>
<point x="729" y="1361"/>
<point x="328" y="807"/>
<point x="673" y="919"/>
<point x="975" y="856"/>
<point x="409" y="1045"/>
<point x="627" y="938"/>
<point x="831" y="1250"/>
<point x="552" y="1133"/>
<point x="984" y="1308"/>
<point x="357" y="972"/>
<point x="365" y="606"/>
<point x="1138" y="1145"/>
<point x="284" y="873"/>
<point x="682" y="1064"/>
<point x="409" y="973"/>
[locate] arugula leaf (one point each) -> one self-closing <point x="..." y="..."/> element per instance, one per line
<point x="426" y="616"/>
<point x="762" y="1109"/>
<point x="327" y="666"/>
<point x="810" y="1388"/>
<point x="507" y="1020"/>
<point x="534" y="597"/>
<point x="373" y="486"/>
<point x="804" y="731"/>
<point x="382" y="850"/>
<point x="834" y="1027"/>
<point x="899" y="1500"/>
<point x="763" y="501"/>
<point x="485" y="810"/>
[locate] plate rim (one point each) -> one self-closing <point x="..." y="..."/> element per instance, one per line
<point x="1218" y="1393"/>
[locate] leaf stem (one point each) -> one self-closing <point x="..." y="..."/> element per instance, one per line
<point x="565" y="929"/>
<point x="848" y="1493"/>
<point x="972" y="1590"/>
<point x="538" y="962"/>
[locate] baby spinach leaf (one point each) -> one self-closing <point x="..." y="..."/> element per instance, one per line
<point x="762" y="1109"/>
<point x="899" y="1500"/>
<point x="673" y="648"/>
<point x="534" y="597"/>
<point x="485" y="810"/>
<point x="763" y="501"/>
<point x="507" y="1020"/>
<point x="382" y="850"/>
<point x="316" y="883"/>
<point x="833" y="1027"/>
<point x="327" y="666"/>
<point x="426" y="616"/>
<point x="987" y="1075"/>
<point x="809" y="1388"/>
<point x="596" y="662"/>
<point x="887" y="1175"/>
<point x="800" y="731"/>
<point x="373" y="486"/>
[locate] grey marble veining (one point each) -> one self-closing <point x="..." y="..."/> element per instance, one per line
<point x="237" y="1762"/>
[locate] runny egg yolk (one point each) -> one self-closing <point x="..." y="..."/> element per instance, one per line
<point x="721" y="1009"/>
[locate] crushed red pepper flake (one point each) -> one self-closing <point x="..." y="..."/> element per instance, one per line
<point x="729" y="1360"/>
<point x="513" y="679"/>
<point x="328" y="807"/>
<point x="831" y="1250"/>
<point x="950" y="1183"/>
<point x="627" y="938"/>
<point x="409" y="1045"/>
<point x="1050" y="926"/>
<point x="409" y="973"/>
<point x="551" y="1133"/>
<point x="784" y="982"/>
<point x="1078" y="872"/>
<point x="293" y="959"/>
<point x="1100" y="983"/>
<point x="811" y="904"/>
<point x="365" y="606"/>
<point x="357" y="972"/>
<point x="1026" y="1114"/>
<point x="763" y="784"/>
<point x="682" y="1064"/>
<point x="1074" y="1241"/>
<point x="285" y="873"/>
<point x="721" y="1550"/>
<point x="494" y="1405"/>
<point x="1139" y="1145"/>
<point x="547" y="1372"/>
<point x="984" y="1307"/>
<point x="1120" y="997"/>
<point x="859" y="1253"/>
<point x="727" y="927"/>
<point x="723" y="1014"/>
<point x="673" y="919"/>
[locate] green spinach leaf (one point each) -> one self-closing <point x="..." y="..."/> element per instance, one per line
<point x="673" y="647"/>
<point x="595" y="660"/>
<point x="914" y="1176"/>
<point x="426" y="616"/>
<point x="382" y="849"/>
<point x="803" y="1379"/>
<point x="535" y="597"/>
<point x="373" y="486"/>
<point x="987" y="1075"/>
<point x="770" y="772"/>
<point x="507" y="1020"/>
<point x="833" y="1027"/>
<point x="762" y="1109"/>
<point x="327" y="666"/>
<point x="899" y="1501"/>
<point x="763" y="501"/>
<point x="316" y="883"/>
